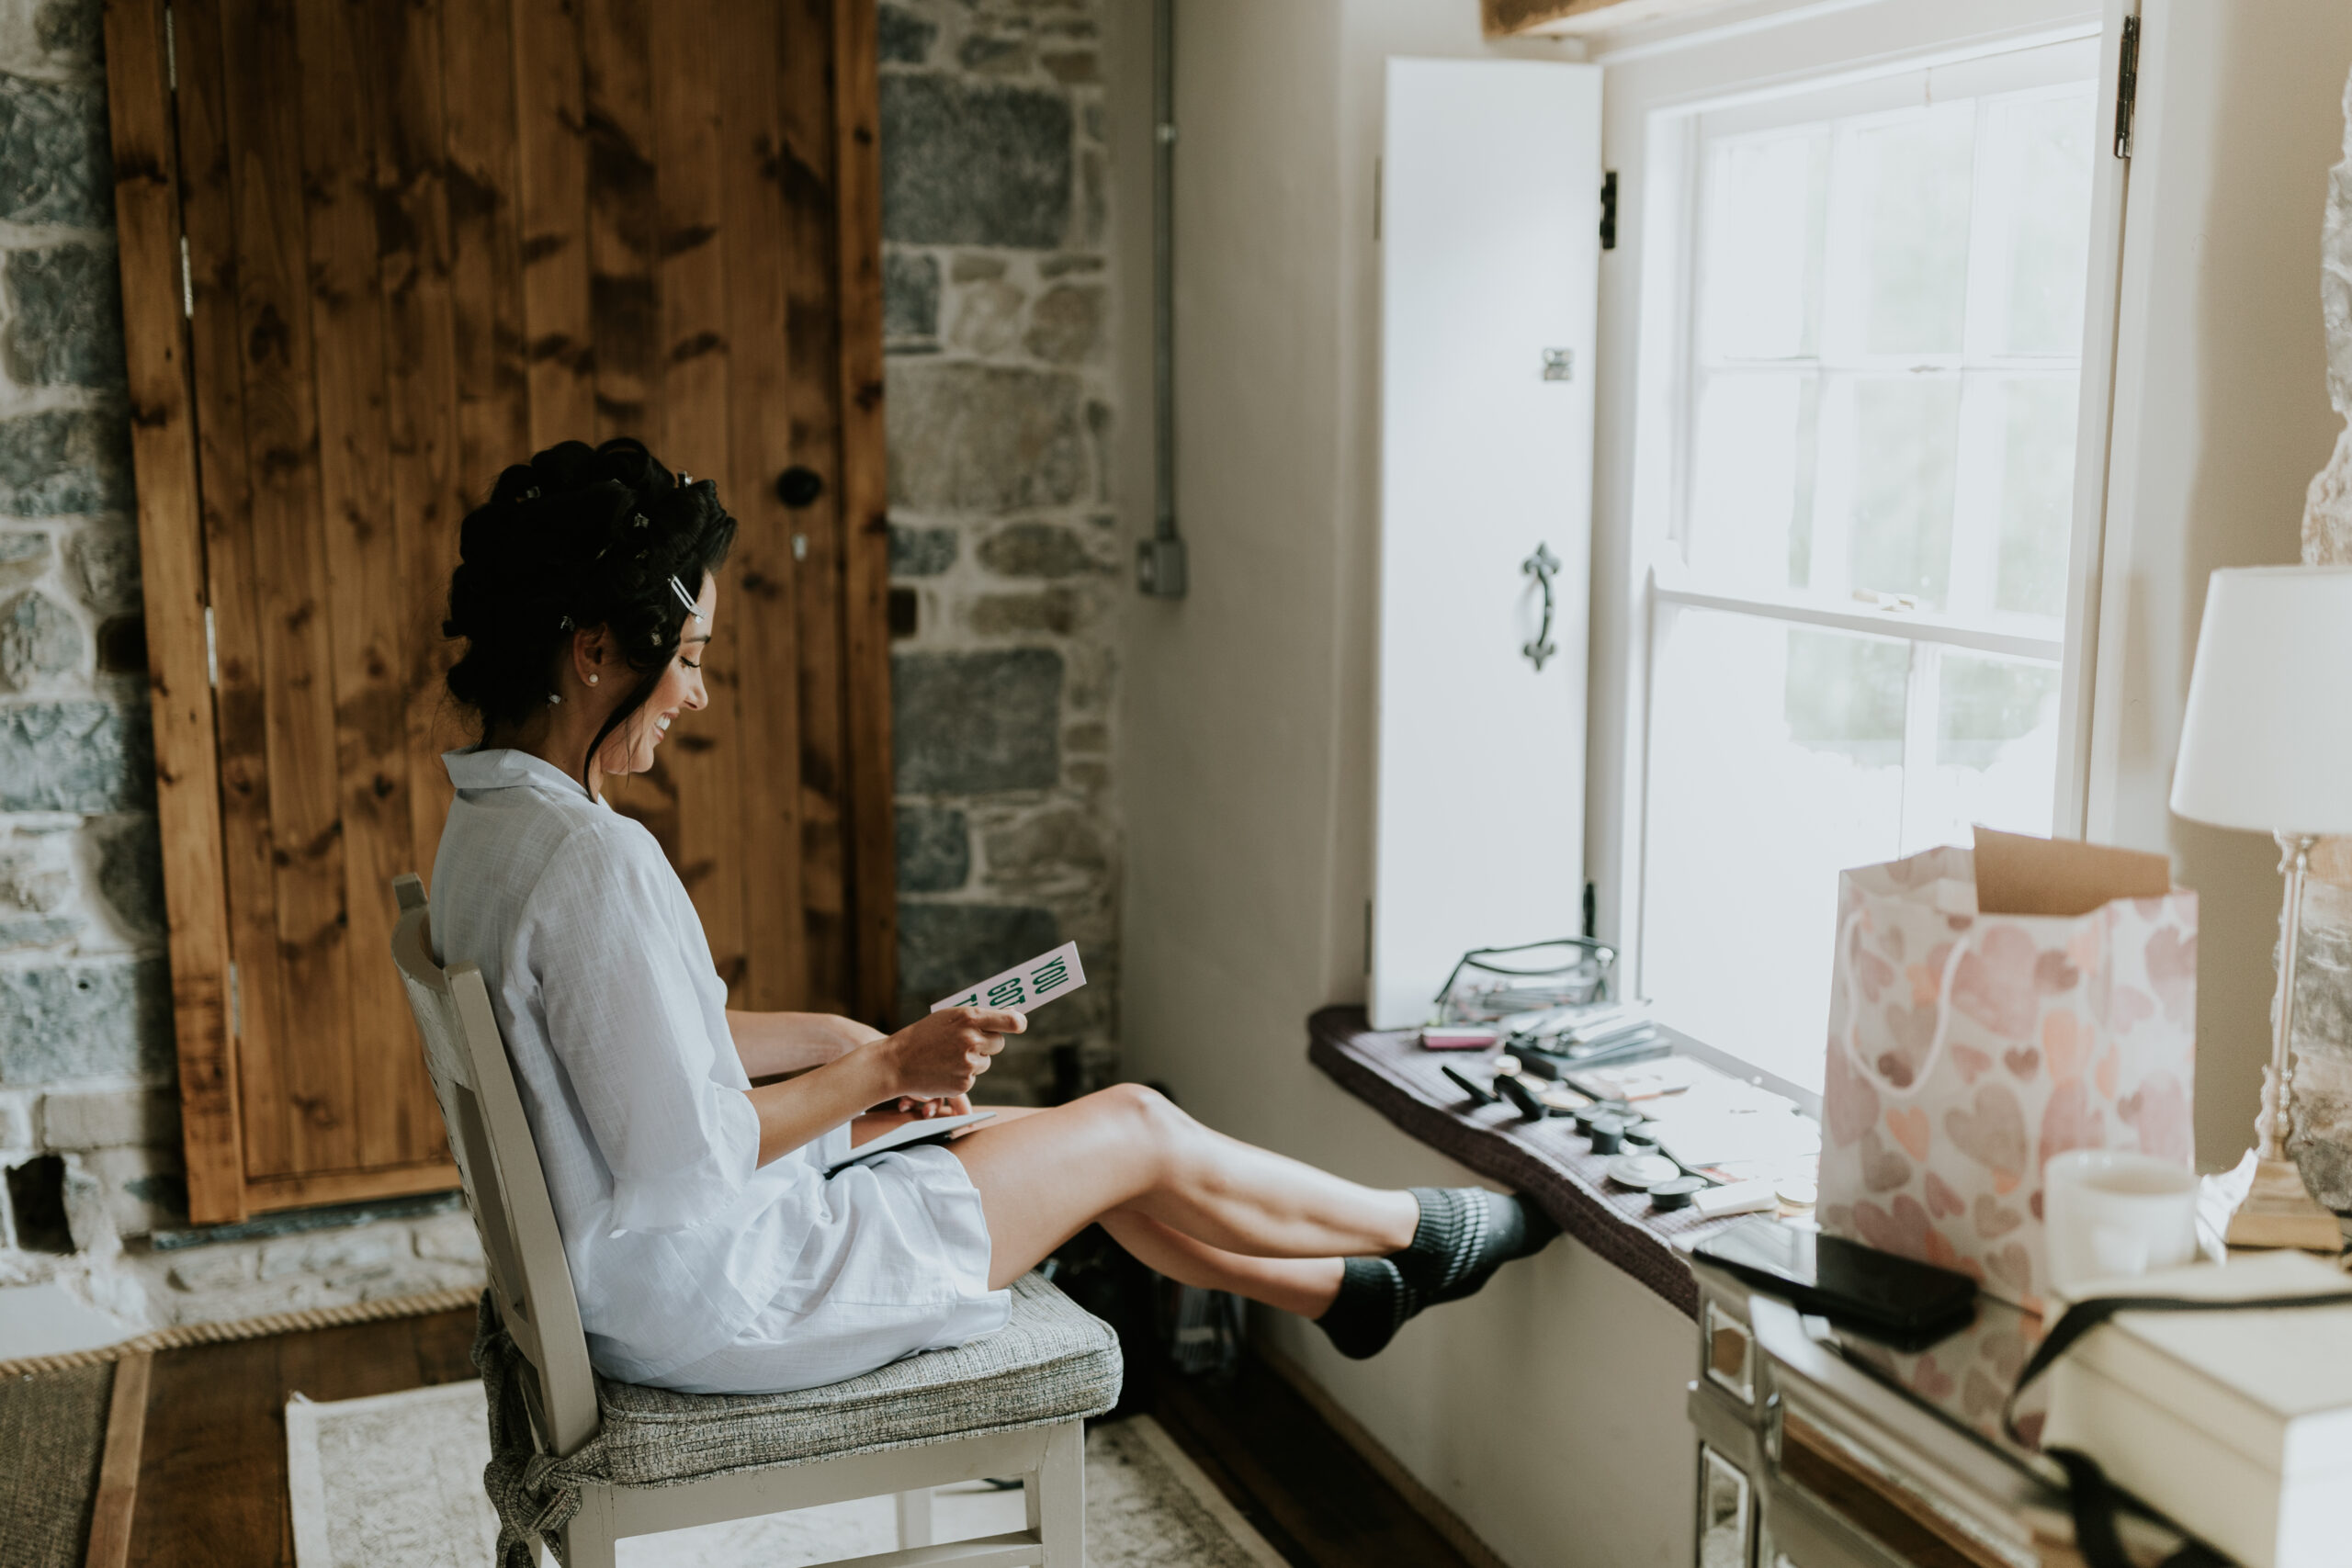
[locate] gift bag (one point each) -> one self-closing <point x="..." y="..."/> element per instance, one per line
<point x="1989" y="1011"/>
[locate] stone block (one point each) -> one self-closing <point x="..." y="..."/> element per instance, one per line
<point x="105" y="559"/>
<point x="352" y="1255"/>
<point x="450" y="1238"/>
<point x="906" y="37"/>
<point x="16" y="1123"/>
<point x="143" y="1189"/>
<point x="941" y="946"/>
<point x="76" y="756"/>
<point x="1038" y="549"/>
<point x="988" y="317"/>
<point x="90" y="1017"/>
<point x="934" y="849"/>
<point x="18" y="932"/>
<point x="64" y="462"/>
<point x="213" y="1269"/>
<point x="39" y="637"/>
<point x="1057" y="849"/>
<point x="1066" y="324"/>
<point x="921" y="552"/>
<point x="109" y="1118"/>
<point x="24" y="554"/>
<point x="1063" y="265"/>
<point x="1071" y="66"/>
<point x="31" y="876"/>
<point x="53" y="162"/>
<point x="130" y="875"/>
<point x="970" y="267"/>
<point x="974" y="163"/>
<point x="1087" y="738"/>
<point x="970" y="723"/>
<point x="910" y="299"/>
<point x="65" y="327"/>
<point x="1056" y="611"/>
<point x="970" y="437"/>
<point x="70" y="31"/>
<point x="989" y="56"/>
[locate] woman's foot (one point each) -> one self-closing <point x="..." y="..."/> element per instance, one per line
<point x="1373" y="1304"/>
<point x="1465" y="1234"/>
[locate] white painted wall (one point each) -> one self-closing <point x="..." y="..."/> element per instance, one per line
<point x="2221" y="417"/>
<point x="1547" y="1411"/>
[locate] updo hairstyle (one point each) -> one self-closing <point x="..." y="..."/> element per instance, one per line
<point x="578" y="537"/>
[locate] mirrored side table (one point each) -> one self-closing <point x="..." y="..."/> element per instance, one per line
<point x="1819" y="1447"/>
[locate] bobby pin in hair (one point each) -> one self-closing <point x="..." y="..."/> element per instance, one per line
<point x="683" y="597"/>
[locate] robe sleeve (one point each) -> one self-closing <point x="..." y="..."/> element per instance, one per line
<point x="625" y="1022"/>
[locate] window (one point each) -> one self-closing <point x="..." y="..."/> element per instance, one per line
<point x="1856" y="623"/>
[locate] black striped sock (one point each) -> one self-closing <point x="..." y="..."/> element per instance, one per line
<point x="1465" y="1234"/>
<point x="1373" y="1304"/>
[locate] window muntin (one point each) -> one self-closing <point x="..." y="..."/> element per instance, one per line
<point x="1858" y="625"/>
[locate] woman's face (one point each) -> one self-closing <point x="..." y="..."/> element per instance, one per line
<point x="630" y="747"/>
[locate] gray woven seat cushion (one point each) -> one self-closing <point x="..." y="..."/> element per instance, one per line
<point x="1051" y="1361"/>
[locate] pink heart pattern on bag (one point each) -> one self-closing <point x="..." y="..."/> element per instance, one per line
<point x="1968" y="1049"/>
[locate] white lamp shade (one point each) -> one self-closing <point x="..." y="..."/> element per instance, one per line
<point x="2267" y="743"/>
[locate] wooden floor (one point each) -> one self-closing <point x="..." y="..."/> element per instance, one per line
<point x="212" y="1473"/>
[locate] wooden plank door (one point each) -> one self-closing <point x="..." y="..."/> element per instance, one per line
<point x="372" y="253"/>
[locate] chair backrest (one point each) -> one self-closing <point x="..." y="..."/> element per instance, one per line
<point x="499" y="1161"/>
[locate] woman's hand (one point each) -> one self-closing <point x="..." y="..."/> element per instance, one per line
<point x="938" y="1058"/>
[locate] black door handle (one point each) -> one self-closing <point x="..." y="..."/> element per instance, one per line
<point x="798" y="486"/>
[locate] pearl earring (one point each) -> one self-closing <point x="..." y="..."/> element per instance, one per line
<point x="592" y="680"/>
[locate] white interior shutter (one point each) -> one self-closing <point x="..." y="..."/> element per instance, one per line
<point x="1490" y="213"/>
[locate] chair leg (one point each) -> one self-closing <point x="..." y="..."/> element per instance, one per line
<point x="914" y="1517"/>
<point x="1057" y="1495"/>
<point x="588" y="1540"/>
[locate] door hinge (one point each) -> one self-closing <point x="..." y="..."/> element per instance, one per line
<point x="187" y="283"/>
<point x="1608" y="210"/>
<point x="171" y="51"/>
<point x="2127" y="85"/>
<point x="212" y="652"/>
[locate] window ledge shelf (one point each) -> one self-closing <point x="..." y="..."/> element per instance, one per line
<point x="1544" y="1160"/>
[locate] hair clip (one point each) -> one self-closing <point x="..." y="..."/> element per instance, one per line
<point x="530" y="494"/>
<point x="683" y="597"/>
<point x="566" y="626"/>
<point x="555" y="696"/>
<point x="643" y="521"/>
<point x="685" y="478"/>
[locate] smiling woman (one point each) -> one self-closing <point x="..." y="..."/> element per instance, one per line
<point x="713" y="1244"/>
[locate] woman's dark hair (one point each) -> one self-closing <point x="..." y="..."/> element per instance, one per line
<point x="579" y="536"/>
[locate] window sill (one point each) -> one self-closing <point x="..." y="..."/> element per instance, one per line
<point x="1545" y="1160"/>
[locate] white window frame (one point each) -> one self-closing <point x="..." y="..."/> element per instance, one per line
<point x="1656" y="108"/>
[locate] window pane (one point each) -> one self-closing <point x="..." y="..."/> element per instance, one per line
<point x="1904" y="458"/>
<point x="1751" y="482"/>
<point x="2043" y="146"/>
<point x="1775" y="761"/>
<point x="1910" y="181"/>
<point x="1764" y="207"/>
<point x="1997" y="749"/>
<point x="2037" y="495"/>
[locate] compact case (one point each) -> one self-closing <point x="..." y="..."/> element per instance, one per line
<point x="2236" y="1424"/>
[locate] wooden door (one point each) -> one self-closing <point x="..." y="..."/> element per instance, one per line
<point x="372" y="252"/>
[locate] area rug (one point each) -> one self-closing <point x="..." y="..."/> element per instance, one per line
<point x="52" y="1431"/>
<point x="395" y="1481"/>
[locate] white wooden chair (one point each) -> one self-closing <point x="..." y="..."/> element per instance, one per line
<point x="1011" y="1404"/>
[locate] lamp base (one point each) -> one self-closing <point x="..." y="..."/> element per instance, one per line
<point x="2279" y="1212"/>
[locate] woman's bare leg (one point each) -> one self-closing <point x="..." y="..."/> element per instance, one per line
<point x="1303" y="1285"/>
<point x="1044" y="1178"/>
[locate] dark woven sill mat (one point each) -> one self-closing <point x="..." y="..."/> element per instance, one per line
<point x="53" y="1433"/>
<point x="1547" y="1160"/>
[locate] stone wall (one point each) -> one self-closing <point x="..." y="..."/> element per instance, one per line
<point x="1002" y="552"/>
<point x="1004" y="558"/>
<point x="2321" y="1139"/>
<point x="88" y="1127"/>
